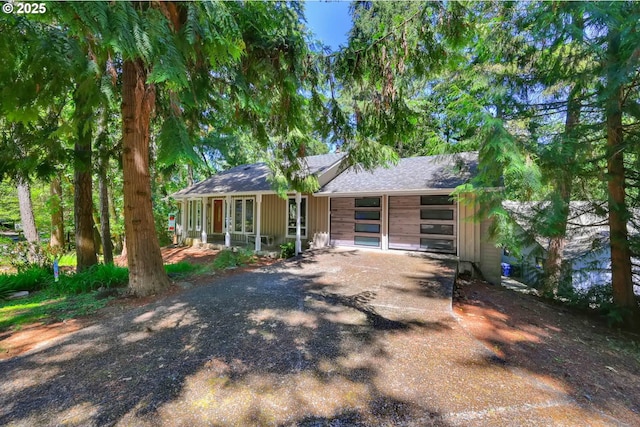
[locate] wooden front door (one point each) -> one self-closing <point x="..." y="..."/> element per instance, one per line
<point x="217" y="216"/>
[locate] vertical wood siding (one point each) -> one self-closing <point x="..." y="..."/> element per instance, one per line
<point x="490" y="255"/>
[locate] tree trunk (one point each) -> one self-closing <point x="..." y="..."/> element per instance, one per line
<point x="146" y="271"/>
<point x="563" y="184"/>
<point x="553" y="267"/>
<point x="28" y="220"/>
<point x="621" y="278"/>
<point x="57" y="216"/>
<point x="97" y="237"/>
<point x="113" y="218"/>
<point x="83" y="195"/>
<point x="105" y="225"/>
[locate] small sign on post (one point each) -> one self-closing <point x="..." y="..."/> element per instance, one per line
<point x="172" y="222"/>
<point x="56" y="270"/>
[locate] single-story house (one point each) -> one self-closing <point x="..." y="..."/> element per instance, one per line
<point x="586" y="255"/>
<point x="407" y="206"/>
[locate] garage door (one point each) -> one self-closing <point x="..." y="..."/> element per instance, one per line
<point x="422" y="223"/>
<point x="356" y="221"/>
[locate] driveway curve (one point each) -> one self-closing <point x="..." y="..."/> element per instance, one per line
<point x="337" y="337"/>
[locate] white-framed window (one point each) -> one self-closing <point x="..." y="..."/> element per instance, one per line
<point x="243" y="215"/>
<point x="190" y="215"/>
<point x="291" y="217"/>
<point x="198" y="215"/>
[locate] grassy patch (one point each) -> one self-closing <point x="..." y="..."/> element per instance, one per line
<point x="46" y="307"/>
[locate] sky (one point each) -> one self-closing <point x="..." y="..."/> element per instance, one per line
<point x="329" y="20"/>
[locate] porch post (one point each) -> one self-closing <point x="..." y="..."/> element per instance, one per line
<point x="298" y="240"/>
<point x="183" y="220"/>
<point x="204" y="220"/>
<point x="227" y="223"/>
<point x="257" y="228"/>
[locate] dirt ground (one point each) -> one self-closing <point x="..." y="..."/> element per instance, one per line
<point x="597" y="365"/>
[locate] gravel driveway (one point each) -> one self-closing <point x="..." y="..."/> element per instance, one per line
<point x="336" y="338"/>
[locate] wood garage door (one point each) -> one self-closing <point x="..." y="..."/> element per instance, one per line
<point x="422" y="223"/>
<point x="356" y="221"/>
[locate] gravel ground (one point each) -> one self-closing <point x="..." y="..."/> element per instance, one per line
<point x="339" y="338"/>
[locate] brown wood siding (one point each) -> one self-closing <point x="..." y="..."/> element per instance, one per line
<point x="490" y="255"/>
<point x="343" y="222"/>
<point x="273" y="221"/>
<point x="469" y="233"/>
<point x="405" y="221"/>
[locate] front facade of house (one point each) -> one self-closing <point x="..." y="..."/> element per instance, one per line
<point x="404" y="207"/>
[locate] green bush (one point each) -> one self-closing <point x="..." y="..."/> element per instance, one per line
<point x="230" y="258"/>
<point x="598" y="298"/>
<point x="98" y="276"/>
<point x="30" y="279"/>
<point x="181" y="268"/>
<point x="288" y="250"/>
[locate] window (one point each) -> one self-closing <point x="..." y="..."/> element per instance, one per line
<point x="248" y="216"/>
<point x="190" y="214"/>
<point x="441" y="214"/>
<point x="372" y="215"/>
<point x="367" y="228"/>
<point x="436" y="229"/>
<point x="243" y="215"/>
<point x="366" y="241"/>
<point x="437" y="244"/>
<point x="198" y="215"/>
<point x="436" y="200"/>
<point x="368" y="202"/>
<point x="291" y="217"/>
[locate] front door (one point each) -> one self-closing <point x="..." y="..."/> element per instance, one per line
<point x="217" y="216"/>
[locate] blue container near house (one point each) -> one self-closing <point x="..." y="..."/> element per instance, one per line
<point x="506" y="269"/>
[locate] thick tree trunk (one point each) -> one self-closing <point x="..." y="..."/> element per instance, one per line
<point x="621" y="278"/>
<point x="83" y="195"/>
<point x="146" y="271"/>
<point x="28" y="220"/>
<point x="57" y="217"/>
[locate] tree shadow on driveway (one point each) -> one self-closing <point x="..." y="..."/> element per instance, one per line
<point x="257" y="348"/>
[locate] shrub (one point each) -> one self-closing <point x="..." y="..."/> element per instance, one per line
<point x="288" y="250"/>
<point x="229" y="258"/>
<point x="181" y="268"/>
<point x="91" y="279"/>
<point x="598" y="298"/>
<point x="29" y="279"/>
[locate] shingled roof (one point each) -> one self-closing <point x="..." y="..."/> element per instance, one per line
<point x="252" y="178"/>
<point x="410" y="174"/>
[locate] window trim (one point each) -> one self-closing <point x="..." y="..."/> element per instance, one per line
<point x="303" y="227"/>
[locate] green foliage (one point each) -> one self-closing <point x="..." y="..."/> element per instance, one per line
<point x="229" y="258"/>
<point x="288" y="250"/>
<point x="30" y="279"/>
<point x="598" y="298"/>
<point x="98" y="276"/>
<point x="182" y="268"/>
